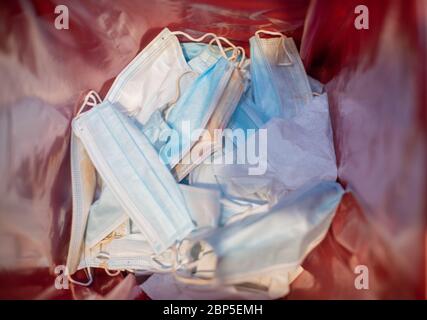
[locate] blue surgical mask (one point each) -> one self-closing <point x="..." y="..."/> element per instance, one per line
<point x="119" y="245"/>
<point x="246" y="115"/>
<point x="208" y="141"/>
<point x="132" y="170"/>
<point x="280" y="84"/>
<point x="280" y="239"/>
<point x="194" y="109"/>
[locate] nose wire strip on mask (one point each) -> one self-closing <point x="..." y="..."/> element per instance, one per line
<point x="275" y="33"/>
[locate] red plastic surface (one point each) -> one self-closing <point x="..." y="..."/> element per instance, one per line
<point x="377" y="93"/>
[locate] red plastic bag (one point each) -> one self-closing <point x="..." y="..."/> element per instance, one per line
<point x="376" y="86"/>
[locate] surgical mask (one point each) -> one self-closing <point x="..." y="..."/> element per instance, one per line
<point x="176" y="122"/>
<point x="125" y="248"/>
<point x="242" y="194"/>
<point x="299" y="151"/>
<point x="210" y="139"/>
<point x="280" y="239"/>
<point x="200" y="57"/>
<point x="246" y="115"/>
<point x="193" y="111"/>
<point x="151" y="78"/>
<point x="130" y="167"/>
<point x="205" y="104"/>
<point x="113" y="243"/>
<point x="280" y="84"/>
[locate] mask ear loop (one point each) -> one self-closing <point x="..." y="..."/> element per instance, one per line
<point x="179" y="264"/>
<point x="218" y="40"/>
<point x="232" y="47"/>
<point x="181" y="33"/>
<point x="106" y="255"/>
<point x="88" y="274"/>
<point x="215" y="38"/>
<point x="200" y="39"/>
<point x="243" y="56"/>
<point x="92" y="98"/>
<point x="84" y="284"/>
<point x="282" y="36"/>
<point x="236" y="50"/>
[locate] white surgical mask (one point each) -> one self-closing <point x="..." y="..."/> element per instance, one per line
<point x="150" y="81"/>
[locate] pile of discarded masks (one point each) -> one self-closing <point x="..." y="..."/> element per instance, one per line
<point x="210" y="173"/>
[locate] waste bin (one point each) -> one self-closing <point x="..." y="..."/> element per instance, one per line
<point x="375" y="76"/>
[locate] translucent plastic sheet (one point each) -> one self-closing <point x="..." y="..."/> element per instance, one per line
<point x="377" y="95"/>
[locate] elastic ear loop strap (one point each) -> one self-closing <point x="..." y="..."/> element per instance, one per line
<point x="92" y="98"/>
<point x="236" y="50"/>
<point x="84" y="284"/>
<point x="215" y="38"/>
<point x="178" y="264"/>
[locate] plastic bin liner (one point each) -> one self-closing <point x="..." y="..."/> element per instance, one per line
<point x="375" y="79"/>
